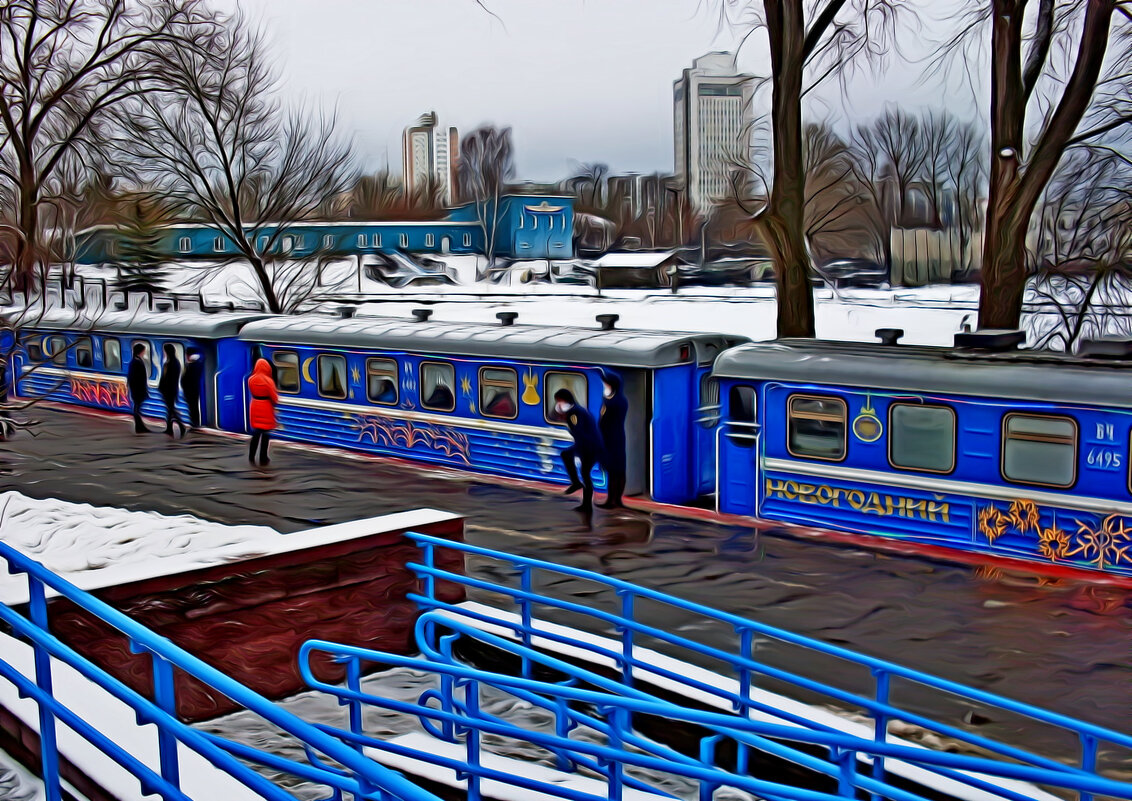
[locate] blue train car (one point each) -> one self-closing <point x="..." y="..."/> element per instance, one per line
<point x="1015" y="455"/>
<point x="480" y="396"/>
<point x="76" y="357"/>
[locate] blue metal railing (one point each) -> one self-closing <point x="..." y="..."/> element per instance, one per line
<point x="361" y="777"/>
<point x="609" y="711"/>
<point x="880" y="707"/>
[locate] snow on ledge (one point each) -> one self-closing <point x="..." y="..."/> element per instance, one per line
<point x="102" y="546"/>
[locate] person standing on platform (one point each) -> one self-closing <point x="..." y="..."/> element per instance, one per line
<point x="611" y="424"/>
<point x="137" y="382"/>
<point x="169" y="385"/>
<point x="191" y="383"/>
<point x="261" y="409"/>
<point x="587" y="447"/>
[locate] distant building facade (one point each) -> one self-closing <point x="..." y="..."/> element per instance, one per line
<point x="429" y="152"/>
<point x="528" y="227"/>
<point x="712" y="113"/>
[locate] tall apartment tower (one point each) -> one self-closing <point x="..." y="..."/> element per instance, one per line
<point x="429" y="154"/>
<point x="712" y="111"/>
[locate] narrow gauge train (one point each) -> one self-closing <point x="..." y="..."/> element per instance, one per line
<point x="1006" y="453"/>
<point x="1001" y="451"/>
<point x="474" y="396"/>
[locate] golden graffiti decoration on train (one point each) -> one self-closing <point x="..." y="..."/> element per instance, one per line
<point x="877" y="503"/>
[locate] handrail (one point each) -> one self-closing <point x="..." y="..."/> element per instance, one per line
<point x="738" y="622"/>
<point x="1089" y="735"/>
<point x="365" y="778"/>
<point x="728" y="725"/>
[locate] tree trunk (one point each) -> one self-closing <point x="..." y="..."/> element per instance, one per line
<point x="28" y="244"/>
<point x="783" y="222"/>
<point x="264" y="279"/>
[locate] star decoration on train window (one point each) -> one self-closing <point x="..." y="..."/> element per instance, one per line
<point x="466" y="385"/>
<point x="355" y="375"/>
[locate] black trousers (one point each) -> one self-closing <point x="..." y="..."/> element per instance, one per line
<point x="172" y="416"/>
<point x="260" y="438"/>
<point x="139" y="424"/>
<point x="570" y="457"/>
<point x="193" y="401"/>
<point x="615" y="473"/>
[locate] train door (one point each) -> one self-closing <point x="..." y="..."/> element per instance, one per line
<point x="703" y="434"/>
<point x="636" y="386"/>
<point x="738" y="436"/>
<point x="672" y="448"/>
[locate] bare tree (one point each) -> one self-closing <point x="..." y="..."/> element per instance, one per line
<point x="836" y="210"/>
<point x="63" y="67"/>
<point x="486" y="165"/>
<point x="1047" y="62"/>
<point x="214" y="141"/>
<point x="966" y="175"/>
<point x="809" y="41"/>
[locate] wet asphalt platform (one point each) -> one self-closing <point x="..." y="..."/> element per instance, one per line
<point x="1060" y="644"/>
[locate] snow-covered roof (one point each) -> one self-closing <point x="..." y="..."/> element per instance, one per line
<point x="634" y="259"/>
<point x="1021" y="375"/>
<point x="558" y="344"/>
<point x="136" y="321"/>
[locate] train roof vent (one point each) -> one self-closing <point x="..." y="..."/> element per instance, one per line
<point x="889" y="336"/>
<point x="346" y="312"/>
<point x="1106" y="348"/>
<point x="607" y="321"/>
<point x="506" y="318"/>
<point x="422" y="315"/>
<point x="992" y="339"/>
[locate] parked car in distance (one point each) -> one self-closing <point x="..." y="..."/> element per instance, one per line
<point x="847" y="273"/>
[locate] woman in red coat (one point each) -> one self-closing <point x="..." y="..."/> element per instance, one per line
<point x="261" y="409"/>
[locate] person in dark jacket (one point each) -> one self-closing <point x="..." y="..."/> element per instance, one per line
<point x="137" y="382"/>
<point x="169" y="385"/>
<point x="587" y="447"/>
<point x="611" y="424"/>
<point x="191" y="383"/>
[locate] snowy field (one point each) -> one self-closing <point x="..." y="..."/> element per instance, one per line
<point x="928" y="315"/>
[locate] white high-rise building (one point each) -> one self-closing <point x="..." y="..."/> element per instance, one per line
<point x="429" y="154"/>
<point x="712" y="105"/>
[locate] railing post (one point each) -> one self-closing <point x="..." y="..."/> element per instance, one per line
<point x="354" y="682"/>
<point x="846" y="778"/>
<point x="48" y="743"/>
<point x="618" y="723"/>
<point x="525" y="586"/>
<point x="165" y="696"/>
<point x="472" y="738"/>
<point x="627" y="597"/>
<point x="746" y="685"/>
<point x="707" y="757"/>
<point x="880" y="722"/>
<point x="428" y="586"/>
<point x="1088" y="761"/>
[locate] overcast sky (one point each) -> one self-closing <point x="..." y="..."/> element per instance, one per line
<point x="578" y="80"/>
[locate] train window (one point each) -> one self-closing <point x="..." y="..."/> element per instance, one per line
<point x="709" y="402"/>
<point x="430" y="240"/>
<point x="1039" y="449"/>
<point x="57" y="349"/>
<point x="499" y="392"/>
<point x="34" y="348"/>
<point x="575" y="382"/>
<point x="403" y="240"/>
<point x="438" y="386"/>
<point x="381" y="381"/>
<point x="332" y="376"/>
<point x="467" y="240"/>
<point x="921" y="437"/>
<point x="185" y="244"/>
<point x="328" y="242"/>
<point x="816" y="427"/>
<point x="361" y="240"/>
<point x="742" y="410"/>
<point x="112" y="355"/>
<point x="178" y="352"/>
<point x="84" y="352"/>
<point x="286" y="370"/>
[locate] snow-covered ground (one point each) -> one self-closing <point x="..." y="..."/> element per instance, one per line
<point x="928" y="315"/>
<point x="84" y="543"/>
